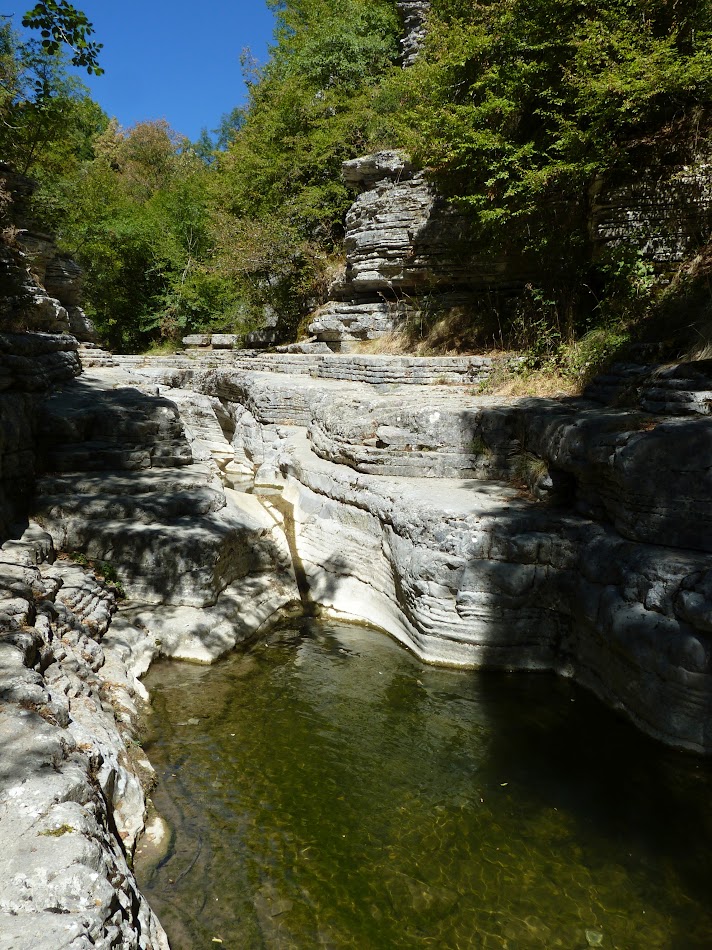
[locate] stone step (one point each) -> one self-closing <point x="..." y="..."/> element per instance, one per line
<point x="187" y="478"/>
<point x="97" y="456"/>
<point x="375" y="369"/>
<point x="92" y="355"/>
<point x="109" y="424"/>
<point x="683" y="389"/>
<point x="188" y="560"/>
<point x="141" y="507"/>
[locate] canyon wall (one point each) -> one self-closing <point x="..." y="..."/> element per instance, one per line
<point x="568" y="535"/>
<point x="411" y="257"/>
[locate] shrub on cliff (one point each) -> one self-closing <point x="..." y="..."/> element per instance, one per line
<point x="518" y="106"/>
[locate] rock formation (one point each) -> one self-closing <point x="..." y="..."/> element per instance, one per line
<point x="524" y="533"/>
<point x="414" y="14"/>
<point x="132" y="485"/>
<point x="567" y="535"/>
<point x="42" y="287"/>
<point x="125" y="476"/>
<point x="71" y="792"/>
<point x="136" y="484"/>
<point x="665" y="213"/>
<point x="408" y="256"/>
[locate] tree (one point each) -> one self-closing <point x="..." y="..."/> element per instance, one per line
<point x="61" y="24"/>
<point x="140" y="224"/>
<point x="39" y="101"/>
<point x="518" y="107"/>
<point x="280" y="173"/>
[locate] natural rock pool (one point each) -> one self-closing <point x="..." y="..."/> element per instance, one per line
<point x="327" y="790"/>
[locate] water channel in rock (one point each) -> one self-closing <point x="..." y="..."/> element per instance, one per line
<point x="325" y="789"/>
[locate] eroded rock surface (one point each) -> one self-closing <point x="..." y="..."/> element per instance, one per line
<point x="136" y="484"/>
<point x="513" y="533"/>
<point x="414" y="14"/>
<point x="566" y="535"/>
<point x="71" y="778"/>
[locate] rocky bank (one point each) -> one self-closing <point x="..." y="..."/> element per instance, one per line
<point x="178" y="506"/>
<point x="219" y="491"/>
<point x="520" y="533"/>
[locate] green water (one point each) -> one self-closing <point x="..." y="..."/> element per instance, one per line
<point x="325" y="789"/>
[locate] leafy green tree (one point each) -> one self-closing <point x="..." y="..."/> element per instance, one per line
<point x="61" y="24"/>
<point x="41" y="104"/>
<point x="140" y="226"/>
<point x="520" y="106"/>
<point x="309" y="110"/>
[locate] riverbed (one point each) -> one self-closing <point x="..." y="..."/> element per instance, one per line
<point x="325" y="789"/>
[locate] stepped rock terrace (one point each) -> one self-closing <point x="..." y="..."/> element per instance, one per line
<point x="227" y="490"/>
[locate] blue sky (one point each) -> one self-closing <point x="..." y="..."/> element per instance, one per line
<point x="172" y="59"/>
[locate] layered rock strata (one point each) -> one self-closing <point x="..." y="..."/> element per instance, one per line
<point x="134" y="484"/>
<point x="665" y="213"/>
<point x="473" y="574"/>
<point x="71" y="776"/>
<point x="378" y="370"/>
<point x="409" y="256"/>
<point x="567" y="535"/>
<point x="522" y="533"/>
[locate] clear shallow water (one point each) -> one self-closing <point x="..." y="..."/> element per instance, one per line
<point x="327" y="790"/>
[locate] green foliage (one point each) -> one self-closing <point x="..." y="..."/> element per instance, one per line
<point x="61" y="24"/>
<point x="177" y="237"/>
<point x="139" y="220"/>
<point x="57" y="832"/>
<point x="583" y="358"/>
<point x="324" y="44"/>
<point x="519" y="107"/>
<point x="47" y="120"/>
<point x="309" y="111"/>
<point x="519" y="96"/>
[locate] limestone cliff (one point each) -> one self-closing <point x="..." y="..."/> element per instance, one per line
<point x="410" y="254"/>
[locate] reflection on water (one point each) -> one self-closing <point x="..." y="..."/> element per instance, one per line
<point x="327" y="790"/>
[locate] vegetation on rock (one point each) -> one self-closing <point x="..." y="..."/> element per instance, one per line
<point x="521" y="111"/>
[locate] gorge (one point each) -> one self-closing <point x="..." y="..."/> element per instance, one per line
<point x="360" y="549"/>
<point x="519" y="533"/>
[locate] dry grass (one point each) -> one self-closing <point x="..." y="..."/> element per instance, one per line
<point x="393" y="344"/>
<point x="506" y="379"/>
<point x="702" y="348"/>
<point x="455" y="333"/>
<point x="546" y="383"/>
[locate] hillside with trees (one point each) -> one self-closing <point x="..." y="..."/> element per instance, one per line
<point x="521" y="110"/>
